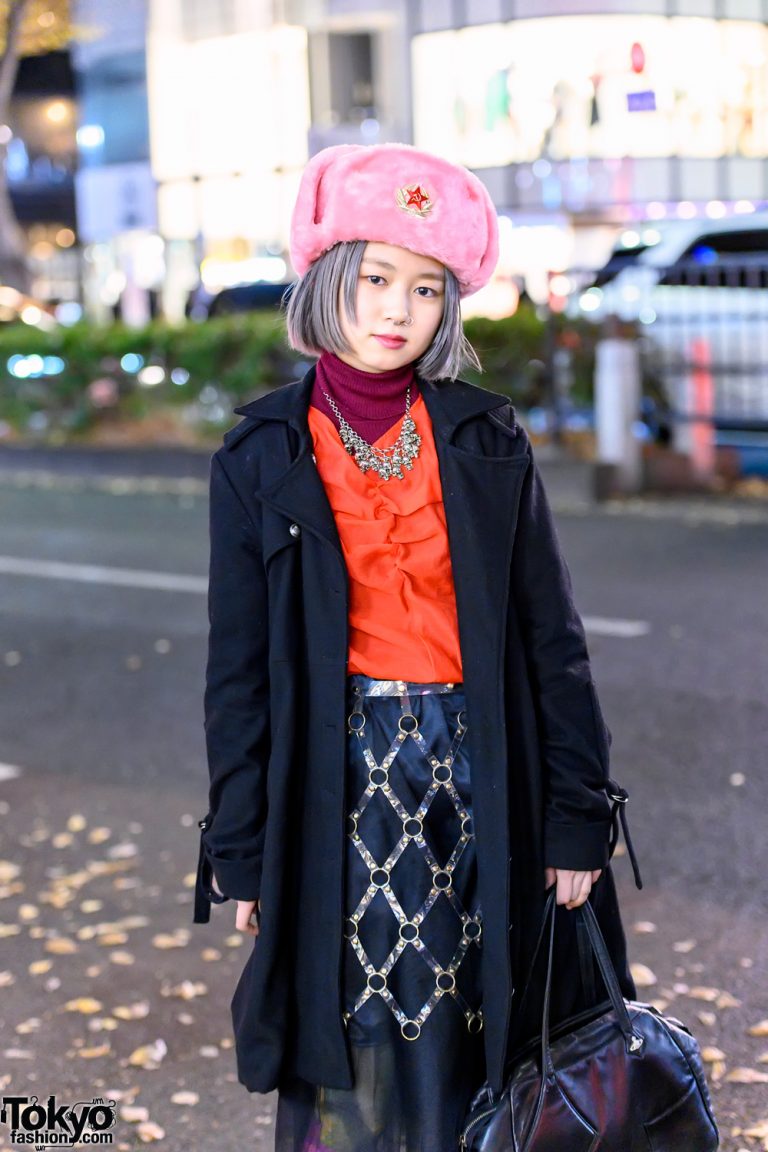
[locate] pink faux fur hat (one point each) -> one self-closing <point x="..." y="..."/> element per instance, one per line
<point x="396" y="194"/>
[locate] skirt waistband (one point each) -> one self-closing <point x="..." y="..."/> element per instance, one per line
<point x="368" y="686"/>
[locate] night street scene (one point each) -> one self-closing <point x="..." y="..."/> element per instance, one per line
<point x="155" y="162"/>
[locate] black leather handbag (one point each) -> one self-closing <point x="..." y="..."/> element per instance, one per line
<point x="619" y="1078"/>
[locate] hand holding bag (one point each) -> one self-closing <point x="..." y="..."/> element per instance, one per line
<point x="620" y="1078"/>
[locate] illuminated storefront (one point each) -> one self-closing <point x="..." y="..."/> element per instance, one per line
<point x="606" y="87"/>
<point x="581" y="125"/>
<point x="229" y="116"/>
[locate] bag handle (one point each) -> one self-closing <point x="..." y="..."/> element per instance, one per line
<point x="586" y="914"/>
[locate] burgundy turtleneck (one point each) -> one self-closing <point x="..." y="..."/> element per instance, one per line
<point x="370" y="402"/>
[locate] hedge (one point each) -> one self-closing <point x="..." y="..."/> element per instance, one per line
<point x="210" y="366"/>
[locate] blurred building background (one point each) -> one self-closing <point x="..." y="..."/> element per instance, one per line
<point x="41" y="164"/>
<point x="157" y="161"/>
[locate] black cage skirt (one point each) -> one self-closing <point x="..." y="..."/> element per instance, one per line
<point x="413" y="931"/>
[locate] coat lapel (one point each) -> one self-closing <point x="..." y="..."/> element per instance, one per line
<point x="296" y="490"/>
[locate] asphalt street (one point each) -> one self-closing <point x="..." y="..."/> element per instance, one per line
<point x="107" y="989"/>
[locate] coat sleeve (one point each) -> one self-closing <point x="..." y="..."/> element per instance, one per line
<point x="236" y="703"/>
<point x="574" y="737"/>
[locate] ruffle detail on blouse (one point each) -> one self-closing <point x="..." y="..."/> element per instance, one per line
<point x="402" y="617"/>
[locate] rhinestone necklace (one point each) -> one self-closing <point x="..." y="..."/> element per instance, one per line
<point x="386" y="462"/>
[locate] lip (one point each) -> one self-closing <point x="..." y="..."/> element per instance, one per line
<point x="390" y="341"/>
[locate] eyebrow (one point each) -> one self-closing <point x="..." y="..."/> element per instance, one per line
<point x="419" y="276"/>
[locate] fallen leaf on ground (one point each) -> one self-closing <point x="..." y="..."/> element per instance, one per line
<point x="747" y="1076"/>
<point x="110" y="939"/>
<point x="709" y="1055"/>
<point x="642" y="975"/>
<point x="6" y="979"/>
<point x="123" y="883"/>
<point x="177" y="939"/>
<point x="726" y="1000"/>
<point x="108" y="867"/>
<point x="76" y="822"/>
<point x="102" y="1024"/>
<point x="8" y="890"/>
<point x="133" y="1113"/>
<point x="708" y="1019"/>
<point x="717" y="1071"/>
<point x="684" y="946"/>
<point x="136" y="1011"/>
<point x="91" y="1053"/>
<point x="758" y="1131"/>
<point x="643" y="927"/>
<point x="185" y="1098"/>
<point x="187" y="990"/>
<point x="129" y="922"/>
<point x="37" y="967"/>
<point x="58" y="899"/>
<point x="760" y="1029"/>
<point x="700" y="993"/>
<point x="60" y="946"/>
<point x="8" y="871"/>
<point x="149" y="1055"/>
<point x="123" y="851"/>
<point x="148" y="1131"/>
<point x="9" y="930"/>
<point x="85" y="1004"/>
<point x="27" y="1026"/>
<point x="121" y="958"/>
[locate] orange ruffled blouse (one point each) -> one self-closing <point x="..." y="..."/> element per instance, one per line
<point x="402" y="605"/>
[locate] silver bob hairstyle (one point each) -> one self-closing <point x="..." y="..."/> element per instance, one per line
<point x="313" y="325"/>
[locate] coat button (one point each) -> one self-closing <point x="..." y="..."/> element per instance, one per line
<point x="295" y="530"/>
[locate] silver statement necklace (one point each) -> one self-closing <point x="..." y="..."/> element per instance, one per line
<point x="386" y="462"/>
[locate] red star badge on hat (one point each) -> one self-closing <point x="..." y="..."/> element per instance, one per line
<point x="413" y="198"/>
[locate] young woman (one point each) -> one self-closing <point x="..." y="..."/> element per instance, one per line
<point x="404" y="740"/>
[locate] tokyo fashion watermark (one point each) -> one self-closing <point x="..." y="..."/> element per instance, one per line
<point x="33" y="1123"/>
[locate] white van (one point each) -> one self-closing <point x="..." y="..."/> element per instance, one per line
<point x="698" y="291"/>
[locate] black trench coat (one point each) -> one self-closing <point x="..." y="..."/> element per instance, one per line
<point x="275" y="723"/>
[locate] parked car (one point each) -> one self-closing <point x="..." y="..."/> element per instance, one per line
<point x="247" y="298"/>
<point x="690" y="265"/>
<point x="699" y="294"/>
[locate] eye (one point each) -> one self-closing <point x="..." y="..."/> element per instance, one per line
<point x="424" y="288"/>
<point x="373" y="277"/>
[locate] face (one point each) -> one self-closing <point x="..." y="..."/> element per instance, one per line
<point x="394" y="283"/>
